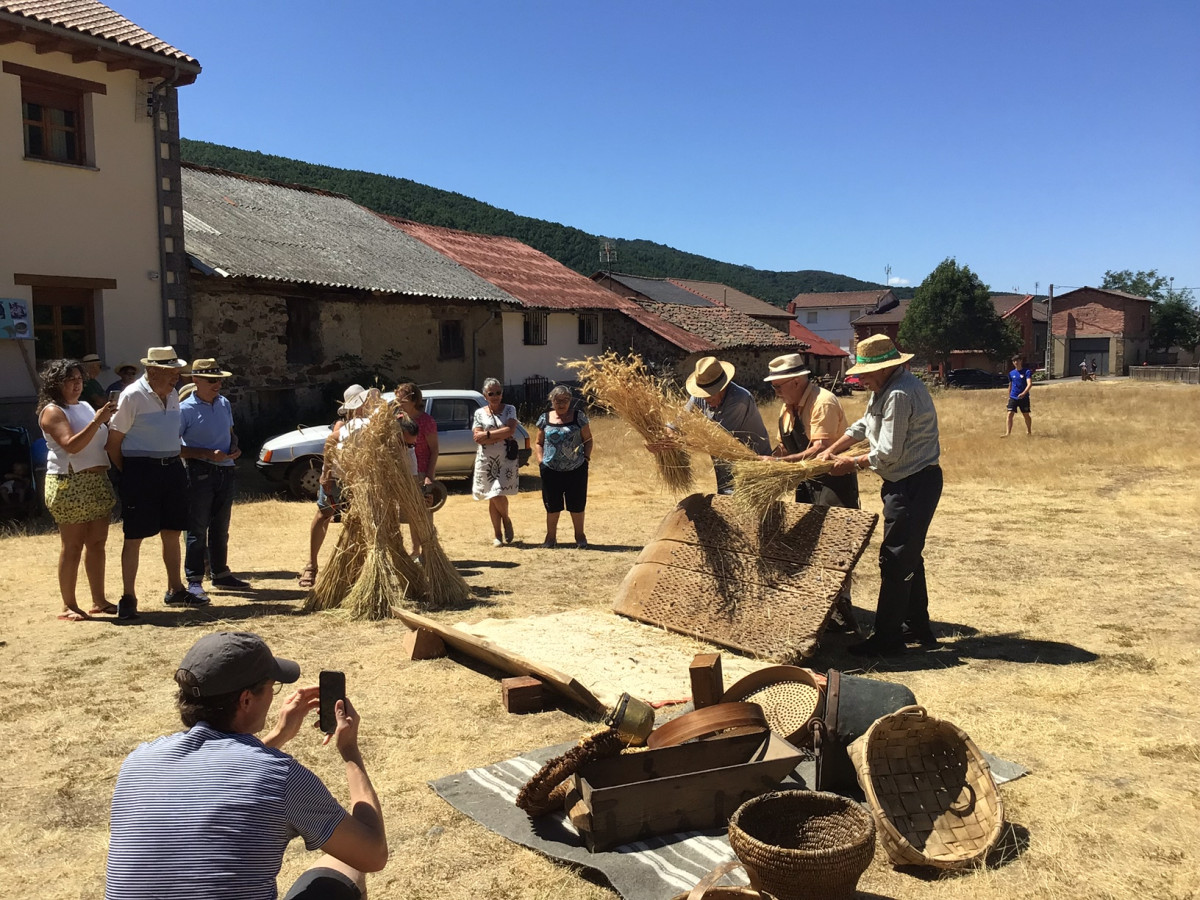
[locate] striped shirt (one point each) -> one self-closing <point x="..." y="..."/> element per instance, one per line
<point x="901" y="426"/>
<point x="202" y="813"/>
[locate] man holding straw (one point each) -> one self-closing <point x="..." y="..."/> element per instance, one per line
<point x="729" y="405"/>
<point x="901" y="428"/>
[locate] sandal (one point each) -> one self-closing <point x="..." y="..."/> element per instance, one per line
<point x="73" y="615"/>
<point x="108" y="609"/>
<point x="308" y="577"/>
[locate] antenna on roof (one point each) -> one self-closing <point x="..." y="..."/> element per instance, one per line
<point x="608" y="255"/>
<point x="887" y="275"/>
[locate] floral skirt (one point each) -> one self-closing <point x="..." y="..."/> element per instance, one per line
<point x="80" y="497"/>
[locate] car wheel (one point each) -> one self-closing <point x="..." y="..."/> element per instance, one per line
<point x="304" y="477"/>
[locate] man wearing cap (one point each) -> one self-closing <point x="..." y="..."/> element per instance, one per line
<point x="901" y="427"/>
<point x="143" y="444"/>
<point x="93" y="393"/>
<point x="208" y="812"/>
<point x="731" y="406"/>
<point x="210" y="447"/>
<point x="126" y="375"/>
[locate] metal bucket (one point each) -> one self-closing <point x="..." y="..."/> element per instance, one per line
<point x="632" y="718"/>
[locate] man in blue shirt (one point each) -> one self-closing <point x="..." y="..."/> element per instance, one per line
<point x="731" y="406"/>
<point x="210" y="448"/>
<point x="901" y="429"/>
<point x="1020" y="380"/>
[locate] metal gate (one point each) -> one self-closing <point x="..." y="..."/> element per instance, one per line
<point x="1085" y="350"/>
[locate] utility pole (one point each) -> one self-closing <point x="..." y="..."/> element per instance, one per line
<point x="1050" y="334"/>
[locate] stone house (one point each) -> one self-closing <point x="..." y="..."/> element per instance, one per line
<point x="1112" y="327"/>
<point x="90" y="251"/>
<point x="299" y="291"/>
<point x="723" y="295"/>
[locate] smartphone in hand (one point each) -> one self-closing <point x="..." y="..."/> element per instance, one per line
<point x="114" y="397"/>
<point x="332" y="689"/>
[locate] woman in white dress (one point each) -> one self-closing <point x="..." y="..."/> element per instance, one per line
<point x="496" y="463"/>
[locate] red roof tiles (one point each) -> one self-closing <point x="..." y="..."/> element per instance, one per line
<point x="817" y="346"/>
<point x="838" y="298"/>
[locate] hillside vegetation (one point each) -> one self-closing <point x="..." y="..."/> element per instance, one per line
<point x="572" y="247"/>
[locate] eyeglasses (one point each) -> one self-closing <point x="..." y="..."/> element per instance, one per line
<point x="495" y="394"/>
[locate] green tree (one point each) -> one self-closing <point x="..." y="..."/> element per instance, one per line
<point x="1140" y="284"/>
<point x="952" y="310"/>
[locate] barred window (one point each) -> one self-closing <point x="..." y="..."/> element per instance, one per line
<point x="589" y="328"/>
<point x="535" y="327"/>
<point x="450" y="339"/>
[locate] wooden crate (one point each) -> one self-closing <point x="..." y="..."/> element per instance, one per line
<point x="689" y="787"/>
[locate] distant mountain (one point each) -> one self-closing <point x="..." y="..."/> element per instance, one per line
<point x="570" y="246"/>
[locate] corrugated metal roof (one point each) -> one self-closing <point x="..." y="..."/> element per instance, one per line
<point x="259" y="228"/>
<point x="817" y="346"/>
<point x="722" y="326"/>
<point x="94" y="18"/>
<point x="723" y="295"/>
<point x="838" y="299"/>
<point x="535" y="279"/>
<point x="658" y="289"/>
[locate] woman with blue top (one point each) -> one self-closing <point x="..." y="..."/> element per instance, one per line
<point x="564" y="446"/>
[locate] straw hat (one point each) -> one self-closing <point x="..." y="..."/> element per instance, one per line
<point x="208" y="368"/>
<point x="710" y="377"/>
<point x="186" y="391"/>
<point x="790" y="365"/>
<point x="91" y="357"/>
<point x="163" y="358"/>
<point x="875" y="353"/>
<point x="352" y="398"/>
<point x="435" y="495"/>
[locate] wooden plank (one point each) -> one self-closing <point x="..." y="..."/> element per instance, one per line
<point x="497" y="657"/>
<point x="708" y="686"/>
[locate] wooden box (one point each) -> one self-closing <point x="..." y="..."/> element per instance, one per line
<point x="689" y="787"/>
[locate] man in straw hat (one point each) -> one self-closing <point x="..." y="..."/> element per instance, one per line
<point x="810" y="420"/>
<point x="143" y="444"/>
<point x="731" y="406"/>
<point x="93" y="392"/>
<point x="901" y="427"/>
<point x="209" y="812"/>
<point x="210" y="447"/>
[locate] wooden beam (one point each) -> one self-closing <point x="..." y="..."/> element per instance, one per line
<point x="64" y="281"/>
<point x="8" y="35"/>
<point x="707" y="682"/>
<point x="522" y="694"/>
<point x="88" y="55"/>
<point x="118" y="64"/>
<point x="53" y="79"/>
<point x="51" y="46"/>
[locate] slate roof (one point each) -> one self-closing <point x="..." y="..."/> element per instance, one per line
<point x="838" y="299"/>
<point x="723" y="295"/>
<point x="237" y="225"/>
<point x="660" y="290"/>
<point x="535" y="279"/>
<point x="817" y="346"/>
<point x="723" y="327"/>
<point x="93" y="18"/>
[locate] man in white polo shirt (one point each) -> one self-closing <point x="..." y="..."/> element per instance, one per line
<point x="143" y="444"/>
<point x="208" y="812"/>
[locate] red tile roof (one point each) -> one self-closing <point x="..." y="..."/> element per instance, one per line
<point x="93" y="18"/>
<point x="724" y="327"/>
<point x="531" y="276"/>
<point x="817" y="346"/>
<point x="837" y="299"/>
<point x="723" y="295"/>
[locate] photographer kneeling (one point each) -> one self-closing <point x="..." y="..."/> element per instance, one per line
<point x="208" y="812"/>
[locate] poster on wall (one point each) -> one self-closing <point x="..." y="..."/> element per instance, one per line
<point x="14" y="320"/>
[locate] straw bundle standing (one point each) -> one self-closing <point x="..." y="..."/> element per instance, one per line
<point x="758" y="483"/>
<point x="625" y="386"/>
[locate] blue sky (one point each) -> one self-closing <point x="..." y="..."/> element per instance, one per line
<point x="1036" y="142"/>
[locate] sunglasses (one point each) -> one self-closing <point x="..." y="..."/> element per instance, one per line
<point x="495" y="394"/>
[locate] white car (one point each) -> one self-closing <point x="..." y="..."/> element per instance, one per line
<point x="296" y="457"/>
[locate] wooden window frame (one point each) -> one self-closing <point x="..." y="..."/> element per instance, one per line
<point x="451" y="343"/>
<point x="536" y="332"/>
<point x="53" y="298"/>
<point x="589" y="328"/>
<point x="812" y="317"/>
<point x="49" y="91"/>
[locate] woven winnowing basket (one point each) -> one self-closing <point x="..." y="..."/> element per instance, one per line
<point x="930" y="790"/>
<point x="803" y="844"/>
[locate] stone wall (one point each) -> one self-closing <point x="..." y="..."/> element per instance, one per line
<point x="293" y="349"/>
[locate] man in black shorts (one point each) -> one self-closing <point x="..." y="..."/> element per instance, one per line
<point x="1020" y="380"/>
<point x="143" y="444"/>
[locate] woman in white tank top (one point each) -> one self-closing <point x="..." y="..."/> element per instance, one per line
<point x="78" y="492"/>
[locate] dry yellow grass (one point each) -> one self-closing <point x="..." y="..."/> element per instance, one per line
<point x="1063" y="567"/>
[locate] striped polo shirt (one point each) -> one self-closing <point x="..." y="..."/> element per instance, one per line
<point x="203" y="813"/>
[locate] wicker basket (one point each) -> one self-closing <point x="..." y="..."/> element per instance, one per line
<point x="803" y="844"/>
<point x="707" y="889"/>
<point x="930" y="790"/>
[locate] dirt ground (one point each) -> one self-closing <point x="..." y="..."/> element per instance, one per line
<point x="1064" y="581"/>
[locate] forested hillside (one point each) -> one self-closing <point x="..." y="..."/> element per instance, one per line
<point x="570" y="246"/>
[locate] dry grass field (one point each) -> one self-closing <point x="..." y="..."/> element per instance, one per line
<point x="1063" y="575"/>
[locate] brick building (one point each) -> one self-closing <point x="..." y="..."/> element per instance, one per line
<point x="1112" y="327"/>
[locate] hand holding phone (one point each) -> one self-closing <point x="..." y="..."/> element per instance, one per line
<point x="332" y="687"/>
<point x="114" y="397"/>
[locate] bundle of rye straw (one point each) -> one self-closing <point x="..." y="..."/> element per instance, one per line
<point x="626" y="387"/>
<point x="371" y="572"/>
<point x="700" y="434"/>
<point x="758" y="483"/>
